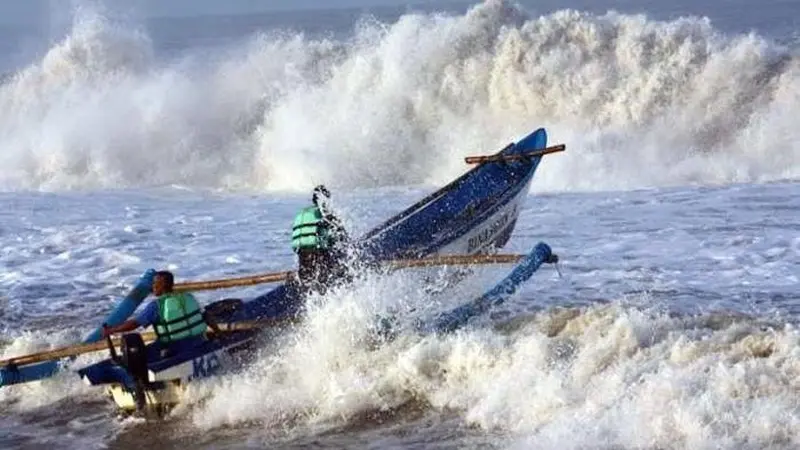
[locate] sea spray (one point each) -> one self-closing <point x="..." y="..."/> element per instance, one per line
<point x="601" y="376"/>
<point x="638" y="102"/>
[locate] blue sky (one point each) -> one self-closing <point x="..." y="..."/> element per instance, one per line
<point x="31" y="11"/>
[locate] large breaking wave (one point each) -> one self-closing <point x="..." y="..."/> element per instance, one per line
<point x="638" y="102"/>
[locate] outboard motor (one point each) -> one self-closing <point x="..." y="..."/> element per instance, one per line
<point x="134" y="355"/>
<point x="134" y="360"/>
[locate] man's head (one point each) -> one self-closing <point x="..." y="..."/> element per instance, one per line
<point x="321" y="193"/>
<point x="163" y="282"/>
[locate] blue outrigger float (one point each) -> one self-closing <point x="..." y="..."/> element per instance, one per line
<point x="474" y="214"/>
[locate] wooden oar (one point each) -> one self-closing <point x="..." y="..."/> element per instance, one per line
<point x="521" y="156"/>
<point x="394" y="264"/>
<point x="232" y="282"/>
<point x="75" y="350"/>
<point x="455" y="260"/>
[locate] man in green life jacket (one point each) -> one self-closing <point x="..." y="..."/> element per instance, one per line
<point x="319" y="240"/>
<point x="175" y="316"/>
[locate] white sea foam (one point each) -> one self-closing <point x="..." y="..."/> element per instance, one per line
<point x="638" y="102"/>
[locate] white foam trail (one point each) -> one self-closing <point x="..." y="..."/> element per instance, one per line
<point x="638" y="102"/>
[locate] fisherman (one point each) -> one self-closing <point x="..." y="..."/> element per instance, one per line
<point x="176" y="317"/>
<point x="319" y="239"/>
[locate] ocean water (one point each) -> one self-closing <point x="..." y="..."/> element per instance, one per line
<point x="133" y="138"/>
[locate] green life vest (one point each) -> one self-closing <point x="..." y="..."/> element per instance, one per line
<point x="179" y="317"/>
<point x="309" y="230"/>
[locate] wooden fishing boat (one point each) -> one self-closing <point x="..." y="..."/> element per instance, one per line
<point x="474" y="214"/>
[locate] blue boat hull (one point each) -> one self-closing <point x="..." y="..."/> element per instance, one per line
<point x="476" y="212"/>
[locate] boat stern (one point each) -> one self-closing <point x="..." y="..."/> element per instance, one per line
<point x="157" y="401"/>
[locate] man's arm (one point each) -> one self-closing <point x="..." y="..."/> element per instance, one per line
<point x="128" y="325"/>
<point x="148" y="316"/>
